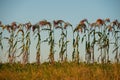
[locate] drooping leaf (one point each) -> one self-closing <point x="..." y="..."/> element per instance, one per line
<point x="73" y="41"/>
<point x="20" y="30"/>
<point x="27" y="34"/>
<point x="99" y="34"/>
<point x="116" y="49"/>
<point x="1" y="45"/>
<point x="66" y="43"/>
<point x="39" y="37"/>
<point x="15" y="44"/>
<point x="46" y="29"/>
<point x="58" y="27"/>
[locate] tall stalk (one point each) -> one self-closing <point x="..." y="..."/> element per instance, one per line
<point x="87" y="34"/>
<point x="81" y="26"/>
<point x="28" y="42"/>
<point x="1" y="35"/>
<point x="91" y="36"/>
<point x="22" y="41"/>
<point x="11" y="41"/>
<point x="38" y="46"/>
<point x="62" y="42"/>
<point x="50" y="39"/>
<point x="102" y="41"/>
<point x="66" y="24"/>
<point x="116" y="37"/>
<point x="1" y="45"/>
<point x="62" y="45"/>
<point x="25" y="40"/>
<point x="116" y="47"/>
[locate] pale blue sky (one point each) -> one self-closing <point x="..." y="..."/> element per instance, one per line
<point x="72" y="11"/>
<point x="69" y="10"/>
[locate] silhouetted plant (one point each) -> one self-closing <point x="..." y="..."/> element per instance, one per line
<point x="50" y="39"/>
<point x="11" y="41"/>
<point x="38" y="46"/>
<point x="94" y="34"/>
<point x="116" y="26"/>
<point x="80" y="28"/>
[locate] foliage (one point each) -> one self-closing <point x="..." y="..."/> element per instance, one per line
<point x="93" y="34"/>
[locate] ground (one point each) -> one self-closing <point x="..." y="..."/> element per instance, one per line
<point x="60" y="71"/>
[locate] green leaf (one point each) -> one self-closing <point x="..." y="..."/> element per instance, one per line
<point x="83" y="38"/>
<point x="1" y="33"/>
<point x="99" y="34"/>
<point x="15" y="44"/>
<point x="27" y="34"/>
<point x="6" y="38"/>
<point x="20" y="30"/>
<point x="20" y="54"/>
<point x="21" y="46"/>
<point x="116" y="49"/>
<point x="66" y="43"/>
<point x="46" y="29"/>
<point x="59" y="42"/>
<point x="59" y="27"/>
<point x="1" y="45"/>
<point x="117" y="31"/>
<point x="39" y="38"/>
<point x="73" y="41"/>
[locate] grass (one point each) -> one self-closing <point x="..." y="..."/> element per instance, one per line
<point x="58" y="71"/>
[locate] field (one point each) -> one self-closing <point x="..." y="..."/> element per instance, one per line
<point x="59" y="40"/>
<point x="60" y="71"/>
<point x="100" y="37"/>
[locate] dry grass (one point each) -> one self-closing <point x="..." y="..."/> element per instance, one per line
<point x="58" y="71"/>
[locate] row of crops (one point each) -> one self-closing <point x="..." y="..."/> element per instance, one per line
<point x="98" y="36"/>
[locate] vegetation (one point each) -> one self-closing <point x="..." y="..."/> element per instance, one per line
<point x="99" y="36"/>
<point x="94" y="34"/>
<point x="58" y="71"/>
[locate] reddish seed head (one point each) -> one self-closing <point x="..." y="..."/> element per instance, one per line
<point x="78" y="28"/>
<point x="28" y="25"/>
<point x="33" y="28"/>
<point x="49" y="24"/>
<point x="109" y="28"/>
<point x="60" y="21"/>
<point x="66" y="25"/>
<point x="115" y="22"/>
<point x="43" y="23"/>
<point x="119" y="25"/>
<point x="93" y="24"/>
<point x="56" y="23"/>
<point x="99" y="22"/>
<point x="107" y="20"/>
<point x="84" y="20"/>
<point x="13" y="24"/>
<point x="8" y="28"/>
<point x="82" y="25"/>
<point x="81" y="22"/>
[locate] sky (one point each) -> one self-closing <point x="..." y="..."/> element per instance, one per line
<point x="71" y="11"/>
